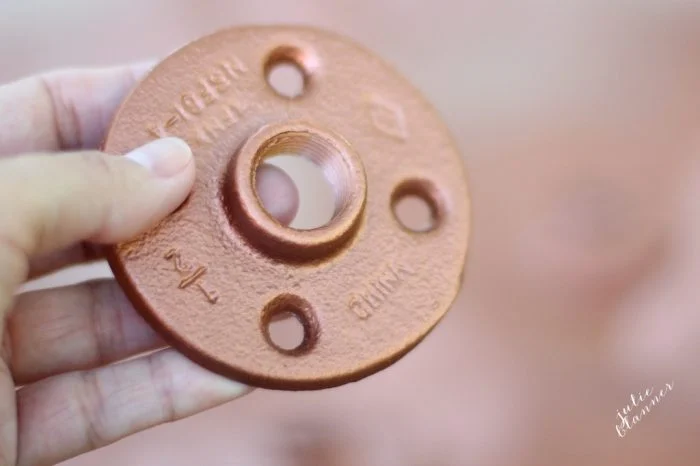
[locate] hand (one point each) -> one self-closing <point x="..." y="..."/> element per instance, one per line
<point x="60" y="394"/>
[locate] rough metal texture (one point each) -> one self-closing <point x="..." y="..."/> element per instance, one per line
<point x="213" y="274"/>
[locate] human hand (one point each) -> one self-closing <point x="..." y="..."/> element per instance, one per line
<point x="60" y="394"/>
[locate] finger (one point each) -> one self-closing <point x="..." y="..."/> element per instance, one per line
<point x="8" y="413"/>
<point x="73" y="413"/>
<point x="73" y="328"/>
<point x="80" y="253"/>
<point x="49" y="203"/>
<point x="92" y="324"/>
<point x="63" y="110"/>
<point x="277" y="192"/>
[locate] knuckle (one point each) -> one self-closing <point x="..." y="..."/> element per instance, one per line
<point x="67" y="128"/>
<point x="97" y="324"/>
<point x="162" y="381"/>
<point x="97" y="164"/>
<point x="92" y="410"/>
<point x="109" y="335"/>
<point x="106" y="178"/>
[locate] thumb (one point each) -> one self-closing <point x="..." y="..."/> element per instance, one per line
<point x="49" y="201"/>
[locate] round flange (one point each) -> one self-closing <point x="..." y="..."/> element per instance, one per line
<point x="212" y="276"/>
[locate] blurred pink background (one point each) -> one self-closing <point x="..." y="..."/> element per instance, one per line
<point x="578" y="122"/>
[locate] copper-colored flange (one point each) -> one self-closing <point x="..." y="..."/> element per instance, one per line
<point x="215" y="273"/>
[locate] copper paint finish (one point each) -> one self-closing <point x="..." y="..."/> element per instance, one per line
<point x="213" y="274"/>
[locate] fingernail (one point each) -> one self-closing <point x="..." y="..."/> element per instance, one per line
<point x="163" y="157"/>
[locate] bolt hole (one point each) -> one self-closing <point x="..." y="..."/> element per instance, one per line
<point x="286" y="79"/>
<point x="286" y="331"/>
<point x="289" y="324"/>
<point x="286" y="72"/>
<point x="416" y="207"/>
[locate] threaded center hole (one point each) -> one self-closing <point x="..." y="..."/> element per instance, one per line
<point x="319" y="172"/>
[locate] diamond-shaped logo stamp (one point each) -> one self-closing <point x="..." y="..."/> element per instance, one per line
<point x="388" y="118"/>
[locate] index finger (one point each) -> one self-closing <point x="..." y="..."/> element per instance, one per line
<point x="63" y="110"/>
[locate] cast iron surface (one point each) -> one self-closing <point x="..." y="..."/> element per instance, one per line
<point x="212" y="275"/>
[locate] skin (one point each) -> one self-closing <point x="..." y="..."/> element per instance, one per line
<point x="65" y="388"/>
